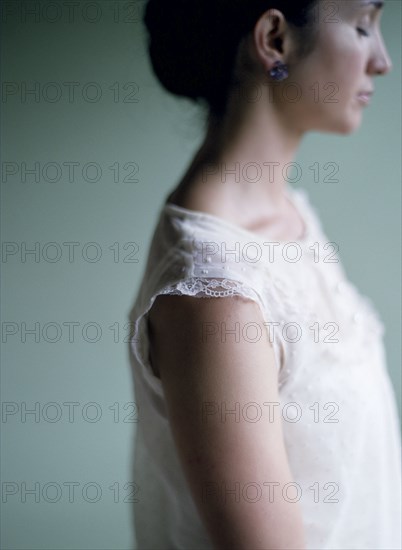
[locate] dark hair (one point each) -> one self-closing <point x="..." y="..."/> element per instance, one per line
<point x="187" y="53"/>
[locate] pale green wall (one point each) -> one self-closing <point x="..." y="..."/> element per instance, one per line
<point x="159" y="134"/>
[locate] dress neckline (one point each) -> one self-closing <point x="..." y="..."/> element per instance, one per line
<point x="292" y="195"/>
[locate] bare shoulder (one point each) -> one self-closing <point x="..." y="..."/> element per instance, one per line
<point x="262" y="217"/>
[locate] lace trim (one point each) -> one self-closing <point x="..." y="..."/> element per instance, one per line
<point x="197" y="285"/>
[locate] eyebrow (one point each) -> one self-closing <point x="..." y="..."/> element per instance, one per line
<point x="377" y="4"/>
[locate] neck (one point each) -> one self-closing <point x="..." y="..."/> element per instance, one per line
<point x="249" y="157"/>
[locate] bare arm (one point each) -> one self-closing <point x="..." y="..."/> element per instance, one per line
<point x="218" y="451"/>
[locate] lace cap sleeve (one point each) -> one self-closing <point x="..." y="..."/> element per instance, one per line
<point x="204" y="265"/>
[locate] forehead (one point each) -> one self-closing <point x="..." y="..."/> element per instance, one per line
<point x="353" y="7"/>
<point x="374" y="6"/>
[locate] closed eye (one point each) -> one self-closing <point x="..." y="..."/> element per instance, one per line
<point x="362" y="31"/>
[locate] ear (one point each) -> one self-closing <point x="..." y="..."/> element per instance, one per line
<point x="271" y="38"/>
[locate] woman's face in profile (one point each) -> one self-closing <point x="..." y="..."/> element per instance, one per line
<point x="349" y="53"/>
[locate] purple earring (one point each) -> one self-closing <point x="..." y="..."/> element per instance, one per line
<point x="279" y="71"/>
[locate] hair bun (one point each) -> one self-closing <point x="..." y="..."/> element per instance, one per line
<point x="190" y="48"/>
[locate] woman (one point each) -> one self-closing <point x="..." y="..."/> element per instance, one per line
<point x="267" y="418"/>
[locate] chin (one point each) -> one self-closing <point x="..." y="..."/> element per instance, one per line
<point x="350" y="122"/>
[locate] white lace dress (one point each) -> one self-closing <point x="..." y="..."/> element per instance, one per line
<point x="341" y="432"/>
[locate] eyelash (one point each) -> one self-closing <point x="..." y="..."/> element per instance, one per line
<point x="362" y="31"/>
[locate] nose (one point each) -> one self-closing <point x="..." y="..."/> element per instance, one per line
<point x="380" y="62"/>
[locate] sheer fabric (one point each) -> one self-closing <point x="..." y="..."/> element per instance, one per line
<point x="340" y="418"/>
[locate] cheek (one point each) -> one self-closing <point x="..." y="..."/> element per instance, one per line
<point x="341" y="59"/>
<point x="334" y="70"/>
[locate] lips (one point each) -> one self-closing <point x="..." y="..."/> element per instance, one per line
<point x="364" y="98"/>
